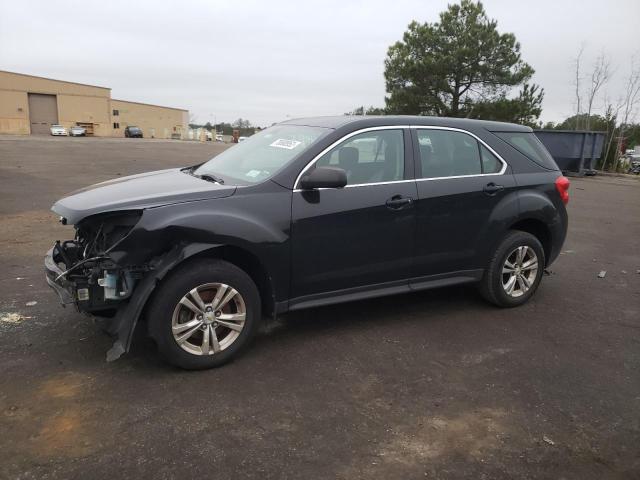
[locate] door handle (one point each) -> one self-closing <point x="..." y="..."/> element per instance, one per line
<point x="398" y="201"/>
<point x="492" y="188"/>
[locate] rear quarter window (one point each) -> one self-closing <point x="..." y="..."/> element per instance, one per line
<point x="529" y="145"/>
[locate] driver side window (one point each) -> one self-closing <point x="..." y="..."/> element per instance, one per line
<point x="370" y="157"/>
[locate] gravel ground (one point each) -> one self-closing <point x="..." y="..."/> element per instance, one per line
<point x="435" y="384"/>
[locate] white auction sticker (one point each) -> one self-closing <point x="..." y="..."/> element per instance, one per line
<point x="283" y="143"/>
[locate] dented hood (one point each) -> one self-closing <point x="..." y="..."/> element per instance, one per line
<point x="145" y="190"/>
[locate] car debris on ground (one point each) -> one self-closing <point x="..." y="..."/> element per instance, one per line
<point x="12" y="317"/>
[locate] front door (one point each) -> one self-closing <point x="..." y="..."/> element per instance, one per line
<point x="460" y="182"/>
<point x="360" y="235"/>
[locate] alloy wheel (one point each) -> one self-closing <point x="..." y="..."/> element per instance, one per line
<point x="519" y="271"/>
<point x="208" y="319"/>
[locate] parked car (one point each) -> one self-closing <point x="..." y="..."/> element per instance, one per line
<point x="58" y="130"/>
<point x="132" y="132"/>
<point x="77" y="131"/>
<point x="219" y="138"/>
<point x="310" y="212"/>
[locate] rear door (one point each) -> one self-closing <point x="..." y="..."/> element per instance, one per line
<point x="363" y="234"/>
<point x="460" y="181"/>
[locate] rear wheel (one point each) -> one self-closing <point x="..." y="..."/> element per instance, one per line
<point x="205" y="314"/>
<point x="515" y="270"/>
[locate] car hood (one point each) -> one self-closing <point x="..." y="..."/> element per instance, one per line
<point x="145" y="190"/>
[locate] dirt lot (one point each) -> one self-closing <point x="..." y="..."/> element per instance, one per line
<point x="430" y="385"/>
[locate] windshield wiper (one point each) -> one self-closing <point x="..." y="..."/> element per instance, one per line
<point x="210" y="178"/>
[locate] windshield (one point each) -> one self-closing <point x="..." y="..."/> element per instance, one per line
<point x="261" y="155"/>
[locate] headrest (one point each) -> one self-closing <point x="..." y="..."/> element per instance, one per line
<point x="348" y="157"/>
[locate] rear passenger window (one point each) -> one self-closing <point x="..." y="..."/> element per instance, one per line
<point x="446" y="153"/>
<point x="370" y="157"/>
<point x="490" y="163"/>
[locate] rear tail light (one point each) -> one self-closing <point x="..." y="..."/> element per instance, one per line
<point x="562" y="185"/>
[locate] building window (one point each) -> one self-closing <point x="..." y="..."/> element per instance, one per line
<point x="116" y="113"/>
<point x="116" y="125"/>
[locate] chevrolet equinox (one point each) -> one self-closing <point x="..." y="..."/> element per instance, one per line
<point x="305" y="213"/>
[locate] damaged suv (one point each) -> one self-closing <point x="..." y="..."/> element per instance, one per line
<point x="305" y="213"/>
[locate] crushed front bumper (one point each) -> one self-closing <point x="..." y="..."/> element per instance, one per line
<point x="53" y="274"/>
<point x="122" y="324"/>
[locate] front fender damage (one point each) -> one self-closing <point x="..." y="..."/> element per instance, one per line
<point x="99" y="286"/>
<point x="123" y="324"/>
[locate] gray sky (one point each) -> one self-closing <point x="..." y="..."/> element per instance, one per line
<point x="267" y="61"/>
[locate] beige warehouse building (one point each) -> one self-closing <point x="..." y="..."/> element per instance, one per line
<point x="30" y="105"/>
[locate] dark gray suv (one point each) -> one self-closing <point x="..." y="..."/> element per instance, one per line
<point x="305" y="213"/>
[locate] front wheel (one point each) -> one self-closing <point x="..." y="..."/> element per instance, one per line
<point x="515" y="270"/>
<point x="204" y="314"/>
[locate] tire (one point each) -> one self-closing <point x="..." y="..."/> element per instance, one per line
<point x="495" y="284"/>
<point x="168" y="317"/>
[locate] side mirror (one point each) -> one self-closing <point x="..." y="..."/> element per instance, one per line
<point x="324" y="177"/>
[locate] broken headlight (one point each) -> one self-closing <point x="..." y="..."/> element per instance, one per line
<point x="98" y="234"/>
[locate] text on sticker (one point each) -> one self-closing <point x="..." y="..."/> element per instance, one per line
<point x="284" y="143"/>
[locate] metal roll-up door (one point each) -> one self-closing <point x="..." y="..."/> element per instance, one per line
<point x="43" y="112"/>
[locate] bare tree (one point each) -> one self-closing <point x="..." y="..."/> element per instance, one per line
<point x="630" y="101"/>
<point x="577" y="61"/>
<point x="611" y="115"/>
<point x="599" y="77"/>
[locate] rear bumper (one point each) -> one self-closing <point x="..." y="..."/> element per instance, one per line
<point x="558" y="234"/>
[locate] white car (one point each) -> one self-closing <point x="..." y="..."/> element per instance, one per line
<point x="58" y="130"/>
<point x="77" y="131"/>
<point x="242" y="139"/>
<point x="219" y="138"/>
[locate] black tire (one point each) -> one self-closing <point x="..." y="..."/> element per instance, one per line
<point x="491" y="286"/>
<point x="170" y="292"/>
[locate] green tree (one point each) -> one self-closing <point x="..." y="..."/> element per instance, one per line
<point x="368" y="111"/>
<point x="524" y="109"/>
<point x="632" y="135"/>
<point x="597" y="122"/>
<point x="446" y="68"/>
<point x="241" y="124"/>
